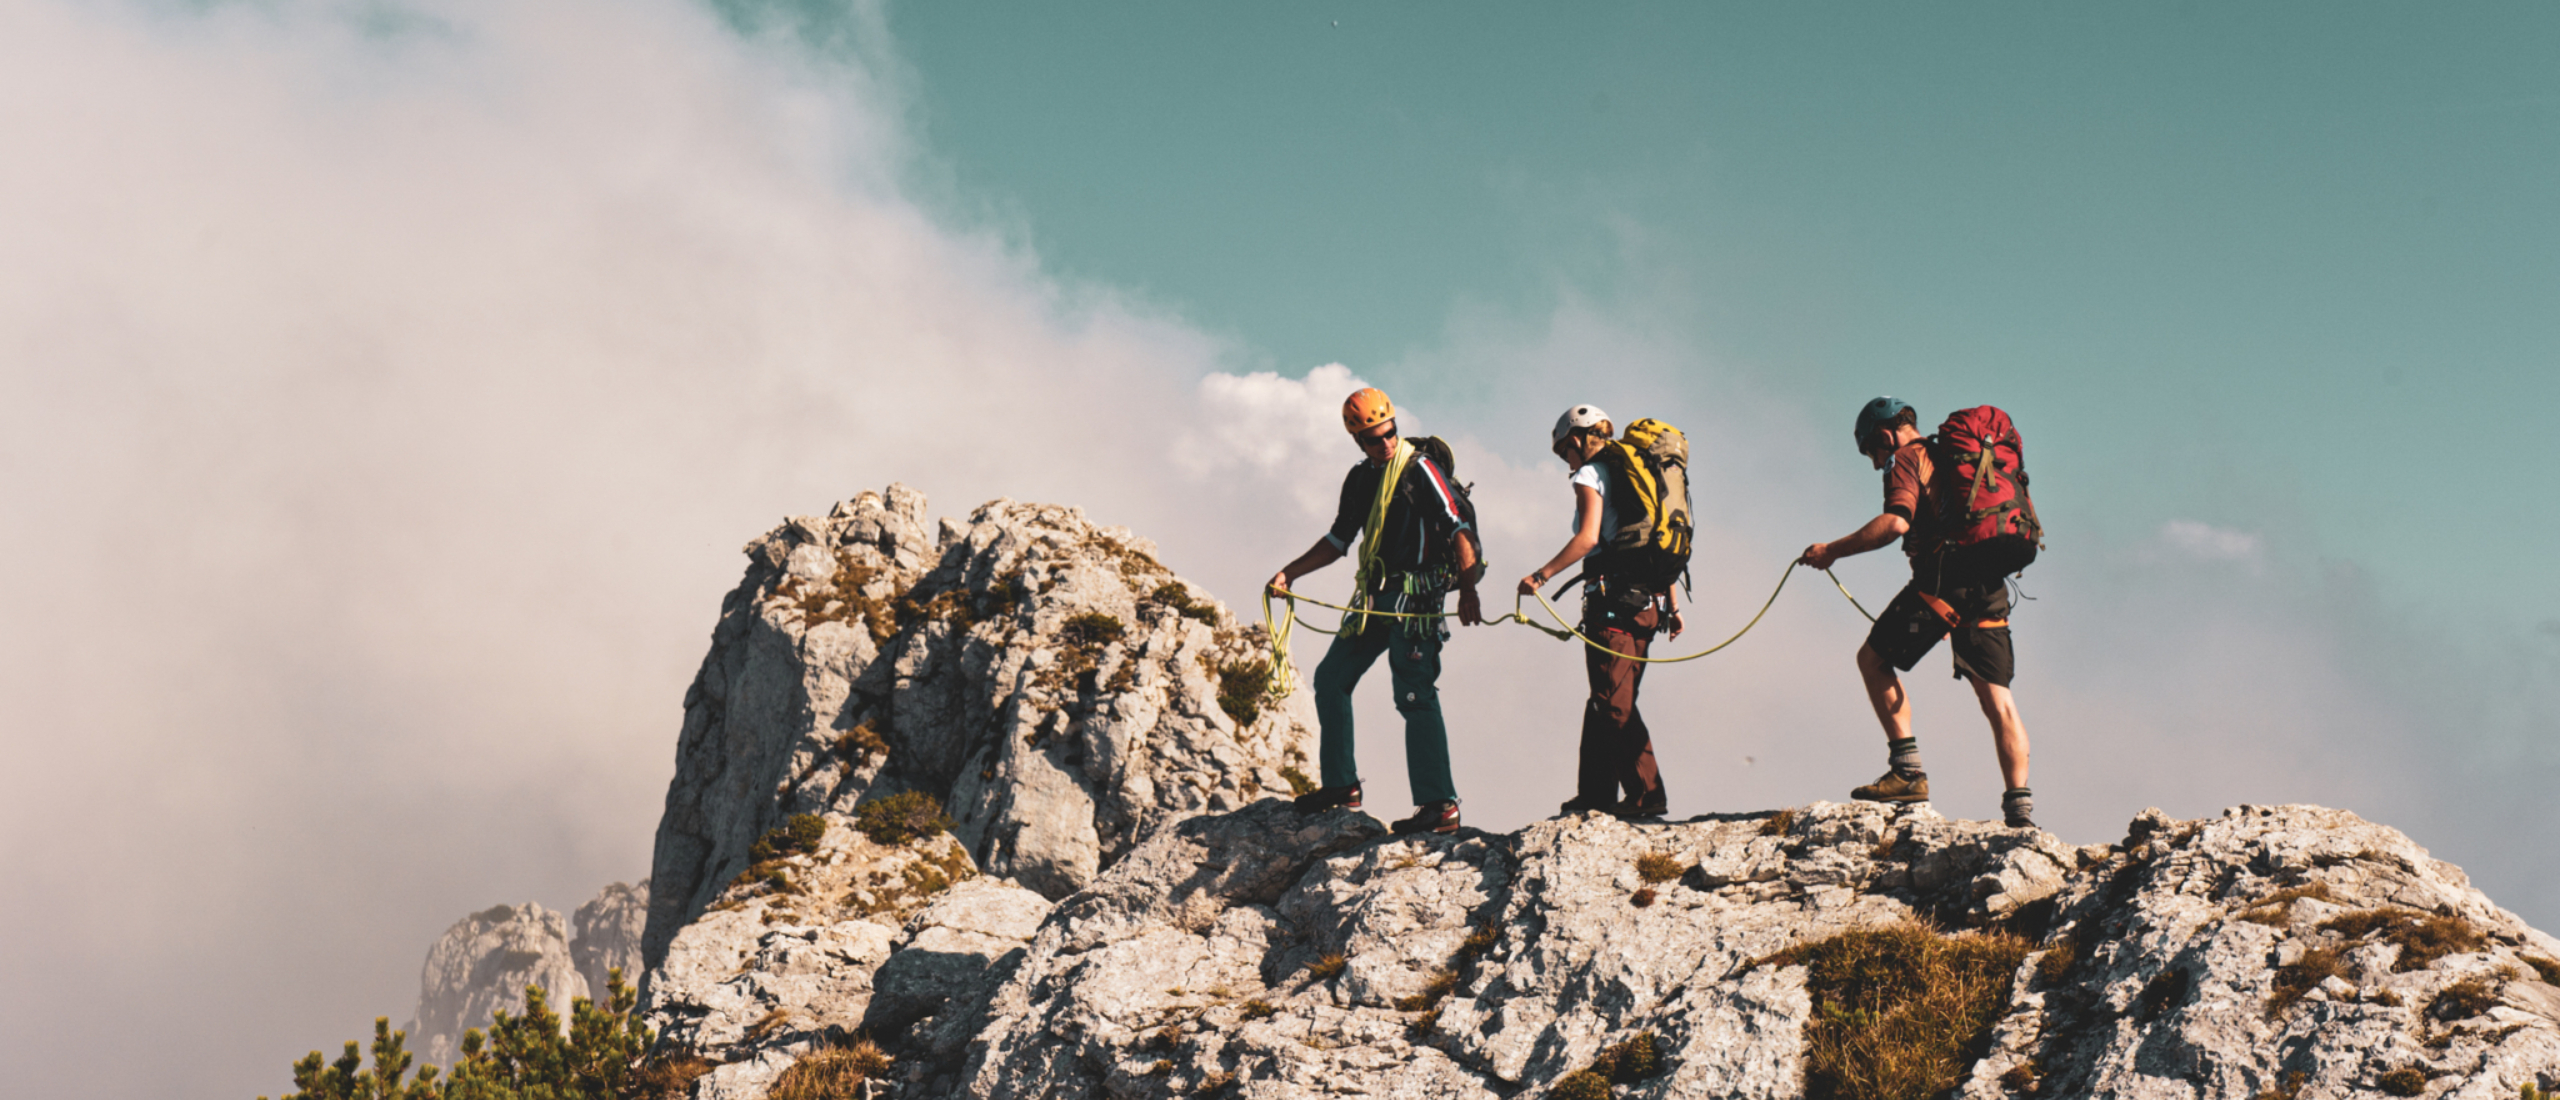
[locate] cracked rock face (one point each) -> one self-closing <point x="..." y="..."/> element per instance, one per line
<point x="1044" y="678"/>
<point x="1277" y="954"/>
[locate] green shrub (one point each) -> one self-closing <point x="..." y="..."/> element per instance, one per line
<point x="1300" y="784"/>
<point x="1242" y="688"/>
<point x="1092" y="630"/>
<point x="521" y="1057"/>
<point x="901" y="818"/>
<point x="1172" y="596"/>
<point x="1581" y="1085"/>
<point x="798" y="834"/>
<point x="1630" y="1061"/>
<point x="863" y="744"/>
<point x="1900" y="1012"/>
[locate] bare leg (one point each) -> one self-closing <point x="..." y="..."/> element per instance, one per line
<point x="2008" y="733"/>
<point x="1893" y="705"/>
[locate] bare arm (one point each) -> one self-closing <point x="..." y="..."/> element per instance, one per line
<point x="1586" y="534"/>
<point x="1317" y="557"/>
<point x="1877" y="534"/>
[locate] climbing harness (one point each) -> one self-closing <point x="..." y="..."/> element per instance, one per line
<point x="1283" y="677"/>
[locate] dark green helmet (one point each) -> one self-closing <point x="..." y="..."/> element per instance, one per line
<point x="1876" y="415"/>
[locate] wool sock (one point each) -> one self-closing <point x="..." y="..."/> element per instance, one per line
<point x="2018" y="804"/>
<point x="1905" y="757"/>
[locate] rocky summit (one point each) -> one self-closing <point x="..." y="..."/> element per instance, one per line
<point x="995" y="810"/>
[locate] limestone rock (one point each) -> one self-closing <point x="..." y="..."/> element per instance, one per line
<point x="1281" y="955"/>
<point x="605" y="936"/>
<point x="483" y="963"/>
<point x="1045" y="679"/>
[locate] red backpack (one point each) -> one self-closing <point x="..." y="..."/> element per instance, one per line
<point x="1980" y="487"/>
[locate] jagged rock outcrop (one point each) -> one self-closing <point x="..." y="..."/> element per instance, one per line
<point x="1046" y="679"/>
<point x="605" y="936"/>
<point x="483" y="963"/>
<point x="1119" y="910"/>
<point x="1281" y="954"/>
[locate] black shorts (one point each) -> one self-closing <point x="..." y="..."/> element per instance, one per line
<point x="1909" y="629"/>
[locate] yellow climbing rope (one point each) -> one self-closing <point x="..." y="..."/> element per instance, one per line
<point x="1284" y="678"/>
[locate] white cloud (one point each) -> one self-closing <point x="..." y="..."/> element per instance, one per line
<point x="2205" y="542"/>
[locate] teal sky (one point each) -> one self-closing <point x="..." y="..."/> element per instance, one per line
<point x="2288" y="269"/>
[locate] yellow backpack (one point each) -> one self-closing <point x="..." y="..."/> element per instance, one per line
<point x="1649" y="486"/>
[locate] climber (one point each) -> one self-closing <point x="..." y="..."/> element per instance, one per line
<point x="1620" y="614"/>
<point x="1958" y="589"/>
<point x="1417" y="538"/>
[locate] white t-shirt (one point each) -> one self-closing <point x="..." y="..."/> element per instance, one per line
<point x="1597" y="477"/>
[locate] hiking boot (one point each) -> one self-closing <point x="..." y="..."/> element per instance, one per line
<point x="1894" y="787"/>
<point x="1438" y="817"/>
<point x="1583" y="803"/>
<point x="2019" y="821"/>
<point x="1330" y="798"/>
<point x="1639" y="807"/>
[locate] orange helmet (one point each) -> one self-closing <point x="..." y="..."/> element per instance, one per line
<point x="1366" y="409"/>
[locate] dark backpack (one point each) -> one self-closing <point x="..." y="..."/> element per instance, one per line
<point x="1437" y="450"/>
<point x="1979" y="491"/>
<point x="1649" y="486"/>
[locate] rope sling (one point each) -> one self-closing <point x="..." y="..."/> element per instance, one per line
<point x="1284" y="677"/>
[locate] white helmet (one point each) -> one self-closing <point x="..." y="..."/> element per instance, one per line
<point x="1579" y="416"/>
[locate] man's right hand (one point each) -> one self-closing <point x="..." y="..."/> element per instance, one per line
<point x="1818" y="555"/>
<point x="1279" y="583"/>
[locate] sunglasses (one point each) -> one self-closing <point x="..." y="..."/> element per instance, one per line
<point x="1367" y="440"/>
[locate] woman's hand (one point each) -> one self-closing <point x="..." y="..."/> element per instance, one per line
<point x="1279" y="583"/>
<point x="1530" y="584"/>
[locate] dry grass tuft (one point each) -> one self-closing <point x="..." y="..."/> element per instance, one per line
<point x="2289" y="1090"/>
<point x="2422" y="937"/>
<point x="834" y="1073"/>
<point x="863" y="744"/>
<point x="2546" y="968"/>
<point x="1258" y="1009"/>
<point x="1327" y="968"/>
<point x="1298" y="781"/>
<point x="1778" y="823"/>
<point x="2405" y="1081"/>
<point x="668" y="1078"/>
<point x="2303" y="975"/>
<point x="2463" y="1000"/>
<point x="766" y="1024"/>
<point x="2276" y="910"/>
<point x="2055" y="967"/>
<point x="1434" y="989"/>
<point x="1479" y="941"/>
<point x="1657" y="867"/>
<point x="1900" y="1013"/>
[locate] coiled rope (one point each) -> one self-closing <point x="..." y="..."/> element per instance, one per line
<point x="1283" y="679"/>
